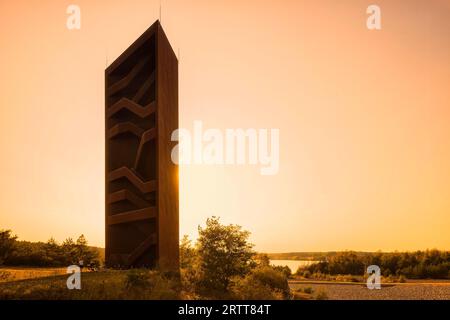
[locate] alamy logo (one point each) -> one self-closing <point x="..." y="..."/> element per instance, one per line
<point x="374" y="20"/>
<point x="74" y="19"/>
<point x="374" y="279"/>
<point x="74" y="280"/>
<point x="229" y="147"/>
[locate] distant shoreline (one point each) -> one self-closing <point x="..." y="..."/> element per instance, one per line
<point x="323" y="255"/>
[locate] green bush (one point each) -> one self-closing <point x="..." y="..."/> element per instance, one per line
<point x="284" y="269"/>
<point x="221" y="253"/>
<point x="261" y="283"/>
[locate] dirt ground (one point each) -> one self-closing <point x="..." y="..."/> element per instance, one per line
<point x="415" y="290"/>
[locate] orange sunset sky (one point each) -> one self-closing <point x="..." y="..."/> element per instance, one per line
<point x="364" y="117"/>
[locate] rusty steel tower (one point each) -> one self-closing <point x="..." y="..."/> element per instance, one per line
<point x="141" y="112"/>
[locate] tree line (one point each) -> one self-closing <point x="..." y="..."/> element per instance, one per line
<point x="46" y="254"/>
<point x="431" y="264"/>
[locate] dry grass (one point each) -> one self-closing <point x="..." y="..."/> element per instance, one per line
<point x="15" y="274"/>
<point x="104" y="285"/>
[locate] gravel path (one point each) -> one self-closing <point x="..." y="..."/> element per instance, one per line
<point x="403" y="291"/>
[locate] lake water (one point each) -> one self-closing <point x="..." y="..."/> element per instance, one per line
<point x="292" y="264"/>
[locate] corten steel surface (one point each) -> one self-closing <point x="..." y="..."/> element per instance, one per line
<point x="141" y="179"/>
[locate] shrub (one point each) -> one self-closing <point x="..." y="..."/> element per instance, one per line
<point x="306" y="274"/>
<point x="261" y="283"/>
<point x="223" y="253"/>
<point x="346" y="278"/>
<point x="308" y="290"/>
<point x="321" y="295"/>
<point x="245" y="289"/>
<point x="319" y="276"/>
<point x="285" y="270"/>
<point x="298" y="295"/>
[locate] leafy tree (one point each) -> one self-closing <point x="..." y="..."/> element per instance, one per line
<point x="224" y="252"/>
<point x="187" y="253"/>
<point x="89" y="256"/>
<point x="7" y="245"/>
<point x="48" y="254"/>
<point x="53" y="253"/>
<point x="81" y="249"/>
<point x="69" y="250"/>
